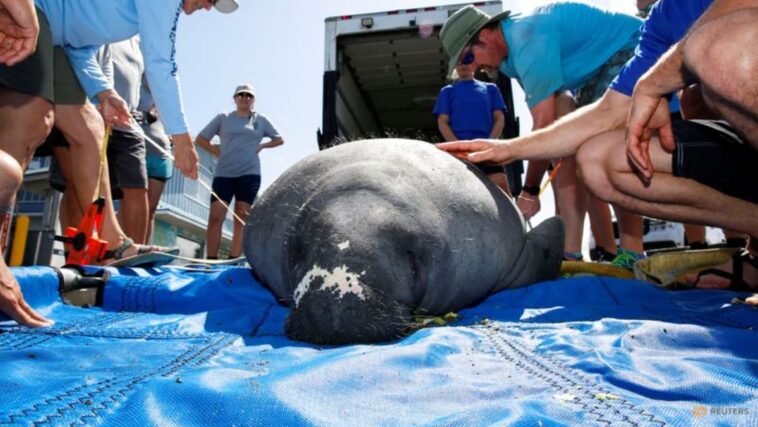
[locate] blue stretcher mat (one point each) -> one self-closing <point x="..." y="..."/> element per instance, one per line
<point x="175" y="348"/>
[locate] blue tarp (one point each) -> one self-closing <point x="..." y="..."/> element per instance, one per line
<point x="176" y="348"/>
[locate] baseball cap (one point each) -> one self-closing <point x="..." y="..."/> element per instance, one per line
<point x="226" y="6"/>
<point x="244" y="88"/>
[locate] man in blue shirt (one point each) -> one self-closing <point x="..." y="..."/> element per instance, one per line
<point x="589" y="129"/>
<point x="555" y="48"/>
<point x="471" y="109"/>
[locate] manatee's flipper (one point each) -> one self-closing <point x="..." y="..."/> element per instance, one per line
<point x="541" y="258"/>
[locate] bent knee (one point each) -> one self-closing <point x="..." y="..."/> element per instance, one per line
<point x="29" y="127"/>
<point x="590" y="158"/>
<point x="596" y="163"/>
<point x="716" y="52"/>
<point x="216" y="218"/>
<point x="11" y="177"/>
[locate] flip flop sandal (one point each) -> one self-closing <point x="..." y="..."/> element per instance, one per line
<point x="118" y="253"/>
<point x="145" y="249"/>
<point x="736" y="282"/>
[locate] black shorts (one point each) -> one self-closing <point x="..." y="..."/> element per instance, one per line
<point x="712" y="153"/>
<point x="46" y="73"/>
<point x="126" y="162"/>
<point x="243" y="188"/>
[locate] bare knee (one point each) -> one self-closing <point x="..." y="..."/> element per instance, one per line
<point x="81" y="124"/>
<point x="718" y="54"/>
<point x="216" y="217"/>
<point x="11" y="176"/>
<point x="593" y="166"/>
<point x="25" y="126"/>
<point x="241" y="212"/>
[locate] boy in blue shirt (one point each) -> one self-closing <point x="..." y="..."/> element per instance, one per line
<point x="471" y="109"/>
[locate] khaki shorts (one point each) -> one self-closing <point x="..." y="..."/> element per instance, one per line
<point x="47" y="73"/>
<point x="595" y="88"/>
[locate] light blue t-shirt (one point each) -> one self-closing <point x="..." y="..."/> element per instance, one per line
<point x="82" y="26"/>
<point x="561" y="46"/>
<point x="240" y="138"/>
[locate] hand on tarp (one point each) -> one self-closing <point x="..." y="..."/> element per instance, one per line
<point x="12" y="301"/>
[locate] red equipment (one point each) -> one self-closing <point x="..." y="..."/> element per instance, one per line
<point x="86" y="245"/>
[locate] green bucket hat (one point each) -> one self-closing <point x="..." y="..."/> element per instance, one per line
<point x="460" y="27"/>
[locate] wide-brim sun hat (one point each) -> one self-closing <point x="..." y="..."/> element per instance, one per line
<point x="226" y="6"/>
<point x="460" y="27"/>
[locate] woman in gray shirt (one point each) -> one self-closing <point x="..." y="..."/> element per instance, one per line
<point x="238" y="172"/>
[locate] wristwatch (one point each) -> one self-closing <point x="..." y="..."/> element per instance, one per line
<point x="531" y="189"/>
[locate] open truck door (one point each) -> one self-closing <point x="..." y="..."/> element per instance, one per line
<point x="383" y="72"/>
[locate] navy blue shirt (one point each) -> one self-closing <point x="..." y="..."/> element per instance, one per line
<point x="668" y="22"/>
<point x="470" y="104"/>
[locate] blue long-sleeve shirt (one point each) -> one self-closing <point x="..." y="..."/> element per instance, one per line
<point x="82" y="26"/>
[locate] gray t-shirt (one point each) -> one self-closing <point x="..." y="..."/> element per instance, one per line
<point x="240" y="138"/>
<point x="128" y="67"/>
<point x="153" y="131"/>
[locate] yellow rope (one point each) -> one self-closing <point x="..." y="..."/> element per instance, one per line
<point x="206" y="186"/>
<point x="551" y="176"/>
<point x="103" y="159"/>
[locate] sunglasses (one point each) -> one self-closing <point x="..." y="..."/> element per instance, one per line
<point x="468" y="55"/>
<point x="244" y="95"/>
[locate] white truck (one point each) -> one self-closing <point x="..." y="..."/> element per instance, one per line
<point x="383" y="72"/>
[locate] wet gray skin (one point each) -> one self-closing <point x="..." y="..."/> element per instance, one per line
<point x="360" y="238"/>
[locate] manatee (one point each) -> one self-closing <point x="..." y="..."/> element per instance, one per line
<point x="362" y="237"/>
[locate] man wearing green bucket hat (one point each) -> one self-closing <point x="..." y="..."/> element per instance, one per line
<point x="553" y="49"/>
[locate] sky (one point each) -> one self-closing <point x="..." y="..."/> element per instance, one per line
<point x="278" y="47"/>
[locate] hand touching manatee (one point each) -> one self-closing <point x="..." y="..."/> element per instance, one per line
<point x="488" y="151"/>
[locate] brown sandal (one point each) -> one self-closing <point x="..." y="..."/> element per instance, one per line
<point x="118" y="253"/>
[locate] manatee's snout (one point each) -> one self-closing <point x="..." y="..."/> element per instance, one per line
<point x="327" y="317"/>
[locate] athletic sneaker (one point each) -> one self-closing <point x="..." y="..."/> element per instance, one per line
<point x="602" y="255"/>
<point x="572" y="256"/>
<point x="626" y="258"/>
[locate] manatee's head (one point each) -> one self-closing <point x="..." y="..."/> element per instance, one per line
<point x="332" y="307"/>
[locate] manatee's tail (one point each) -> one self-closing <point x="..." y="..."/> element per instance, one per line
<point x="541" y="258"/>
